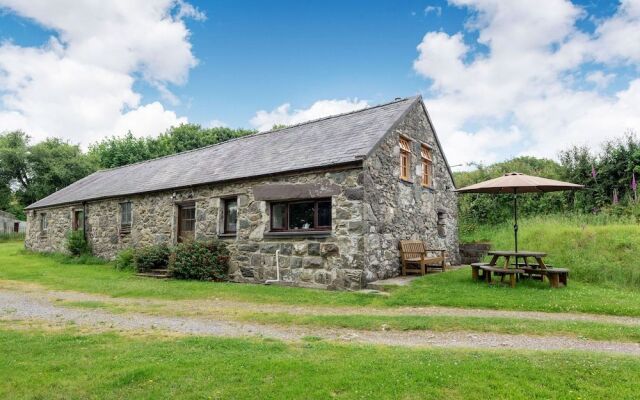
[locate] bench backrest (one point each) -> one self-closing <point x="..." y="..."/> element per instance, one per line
<point x="411" y="248"/>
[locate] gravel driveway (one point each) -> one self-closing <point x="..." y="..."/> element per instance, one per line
<point x="16" y="305"/>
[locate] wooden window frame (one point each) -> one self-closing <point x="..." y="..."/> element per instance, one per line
<point x="181" y="207"/>
<point x="126" y="228"/>
<point x="77" y="224"/>
<point x="405" y="158"/>
<point x="316" y="228"/>
<point x="44" y="223"/>
<point x="225" y="201"/>
<point x="426" y="154"/>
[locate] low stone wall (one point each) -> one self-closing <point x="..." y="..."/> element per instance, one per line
<point x="473" y="252"/>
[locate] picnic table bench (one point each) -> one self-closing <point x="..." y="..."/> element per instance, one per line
<point x="520" y="268"/>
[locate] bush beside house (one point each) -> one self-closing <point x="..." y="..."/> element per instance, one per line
<point x="206" y="261"/>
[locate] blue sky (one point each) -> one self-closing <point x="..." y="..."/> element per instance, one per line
<point x="225" y="61"/>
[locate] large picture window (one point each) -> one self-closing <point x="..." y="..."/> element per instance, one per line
<point x="306" y="215"/>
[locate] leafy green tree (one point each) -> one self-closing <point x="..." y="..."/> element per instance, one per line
<point x="30" y="172"/>
<point x="52" y="165"/>
<point x="117" y="151"/>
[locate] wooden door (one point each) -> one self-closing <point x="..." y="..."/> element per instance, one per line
<point x="186" y="222"/>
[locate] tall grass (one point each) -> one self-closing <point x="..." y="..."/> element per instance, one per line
<point x="596" y="248"/>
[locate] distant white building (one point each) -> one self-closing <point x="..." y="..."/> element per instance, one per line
<point x="10" y="224"/>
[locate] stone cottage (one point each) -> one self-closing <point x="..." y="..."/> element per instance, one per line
<point x="331" y="197"/>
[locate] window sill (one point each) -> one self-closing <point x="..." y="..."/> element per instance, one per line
<point x="298" y="234"/>
<point x="227" y="235"/>
<point x="405" y="181"/>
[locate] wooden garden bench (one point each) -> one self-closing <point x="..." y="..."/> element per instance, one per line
<point x="502" y="272"/>
<point x="556" y="276"/>
<point x="476" y="272"/>
<point x="415" y="257"/>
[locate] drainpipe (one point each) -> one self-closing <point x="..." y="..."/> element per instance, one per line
<point x="277" y="270"/>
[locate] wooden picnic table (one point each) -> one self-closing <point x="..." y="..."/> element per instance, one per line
<point x="536" y="268"/>
<point x="522" y="255"/>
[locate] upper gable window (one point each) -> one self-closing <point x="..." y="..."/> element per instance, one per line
<point x="427" y="166"/>
<point x="405" y="158"/>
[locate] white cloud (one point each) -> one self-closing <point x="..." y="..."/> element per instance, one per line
<point x="600" y="79"/>
<point x="523" y="91"/>
<point x="433" y="9"/>
<point x="265" y="120"/>
<point x="79" y="85"/>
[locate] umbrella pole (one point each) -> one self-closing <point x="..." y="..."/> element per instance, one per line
<point x="515" y="218"/>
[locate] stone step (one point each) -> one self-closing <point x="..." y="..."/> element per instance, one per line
<point x="159" y="274"/>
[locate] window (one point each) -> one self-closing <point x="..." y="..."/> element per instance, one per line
<point x="405" y="158"/>
<point x="78" y="220"/>
<point x="441" y="223"/>
<point x="125" y="217"/>
<point x="44" y="223"/>
<point x="186" y="222"/>
<point x="308" y="215"/>
<point x="230" y="215"/>
<point x="426" y="166"/>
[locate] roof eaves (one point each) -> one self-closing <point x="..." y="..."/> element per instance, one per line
<point x="357" y="160"/>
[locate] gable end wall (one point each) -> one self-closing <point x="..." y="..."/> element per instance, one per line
<point x="394" y="209"/>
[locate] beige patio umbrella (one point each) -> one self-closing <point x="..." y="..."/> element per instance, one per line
<point x="515" y="183"/>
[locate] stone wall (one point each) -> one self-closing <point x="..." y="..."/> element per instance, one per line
<point x="334" y="260"/>
<point x="473" y="252"/>
<point x="395" y="209"/>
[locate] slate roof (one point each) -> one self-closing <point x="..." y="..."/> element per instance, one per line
<point x="334" y="140"/>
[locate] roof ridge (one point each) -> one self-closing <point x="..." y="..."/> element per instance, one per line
<point x="258" y="134"/>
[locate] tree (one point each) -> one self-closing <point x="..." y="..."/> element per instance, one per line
<point x="31" y="172"/>
<point x="53" y="164"/>
<point x="117" y="151"/>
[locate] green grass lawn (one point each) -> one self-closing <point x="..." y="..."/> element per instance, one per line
<point x="68" y="365"/>
<point x="451" y="289"/>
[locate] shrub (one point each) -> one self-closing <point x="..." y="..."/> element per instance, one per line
<point x="207" y="260"/>
<point x="124" y="260"/>
<point x="151" y="257"/>
<point x="77" y="245"/>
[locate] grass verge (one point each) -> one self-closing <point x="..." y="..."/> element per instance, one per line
<point x="513" y="326"/>
<point x="70" y="365"/>
<point x="453" y="289"/>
